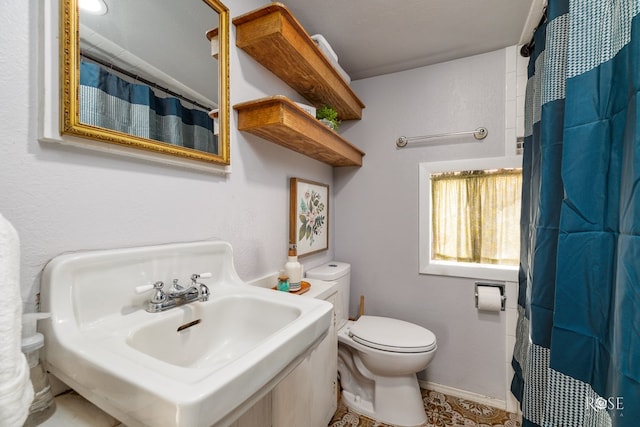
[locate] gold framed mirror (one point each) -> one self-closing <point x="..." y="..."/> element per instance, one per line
<point x="150" y="75"/>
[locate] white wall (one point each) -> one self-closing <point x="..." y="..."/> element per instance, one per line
<point x="63" y="199"/>
<point x="377" y="207"/>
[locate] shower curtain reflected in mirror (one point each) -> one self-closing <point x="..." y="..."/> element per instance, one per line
<point x="108" y="101"/>
<point x="577" y="354"/>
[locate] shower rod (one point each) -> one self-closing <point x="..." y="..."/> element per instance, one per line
<point x="479" y="134"/>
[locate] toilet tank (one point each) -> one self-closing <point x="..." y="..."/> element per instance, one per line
<point x="339" y="272"/>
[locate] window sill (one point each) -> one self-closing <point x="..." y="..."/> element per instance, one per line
<point x="470" y="270"/>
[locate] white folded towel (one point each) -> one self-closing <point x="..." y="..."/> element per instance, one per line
<point x="16" y="392"/>
<point x="324" y="46"/>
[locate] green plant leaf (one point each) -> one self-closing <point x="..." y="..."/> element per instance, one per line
<point x="329" y="113"/>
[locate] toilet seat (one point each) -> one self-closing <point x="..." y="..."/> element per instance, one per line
<point x="383" y="333"/>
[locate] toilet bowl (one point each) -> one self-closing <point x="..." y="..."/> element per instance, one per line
<point x="378" y="358"/>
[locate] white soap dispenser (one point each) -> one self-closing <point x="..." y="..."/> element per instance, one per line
<point x="43" y="405"/>
<point x="293" y="269"/>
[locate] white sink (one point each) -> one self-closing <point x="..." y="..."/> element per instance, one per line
<point x="223" y="330"/>
<point x="200" y="364"/>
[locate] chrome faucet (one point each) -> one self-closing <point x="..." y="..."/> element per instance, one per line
<point x="177" y="295"/>
<point x="177" y="291"/>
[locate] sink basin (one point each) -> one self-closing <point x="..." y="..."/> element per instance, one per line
<point x="223" y="330"/>
<point x="199" y="364"/>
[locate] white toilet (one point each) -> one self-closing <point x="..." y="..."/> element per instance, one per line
<point x="378" y="358"/>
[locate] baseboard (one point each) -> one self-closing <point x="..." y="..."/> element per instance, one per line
<point x="468" y="395"/>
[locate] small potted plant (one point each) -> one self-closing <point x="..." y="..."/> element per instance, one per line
<point x="329" y="116"/>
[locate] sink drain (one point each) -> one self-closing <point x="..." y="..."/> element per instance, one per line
<point x="188" y="325"/>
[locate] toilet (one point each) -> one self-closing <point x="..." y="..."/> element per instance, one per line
<point x="378" y="358"/>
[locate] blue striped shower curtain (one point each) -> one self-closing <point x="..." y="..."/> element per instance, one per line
<point x="110" y="102"/>
<point x="577" y="354"/>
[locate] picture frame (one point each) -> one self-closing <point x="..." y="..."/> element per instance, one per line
<point x="308" y="216"/>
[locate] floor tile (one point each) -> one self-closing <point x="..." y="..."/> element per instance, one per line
<point x="442" y="411"/>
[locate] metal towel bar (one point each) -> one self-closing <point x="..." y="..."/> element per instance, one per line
<point x="479" y="134"/>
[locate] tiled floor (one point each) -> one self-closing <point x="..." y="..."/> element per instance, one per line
<point x="442" y="410"/>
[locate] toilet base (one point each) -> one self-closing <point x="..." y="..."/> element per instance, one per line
<point x="397" y="401"/>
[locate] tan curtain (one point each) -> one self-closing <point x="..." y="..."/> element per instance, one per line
<point x="476" y="216"/>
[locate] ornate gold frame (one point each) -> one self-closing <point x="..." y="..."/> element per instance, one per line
<point x="70" y="86"/>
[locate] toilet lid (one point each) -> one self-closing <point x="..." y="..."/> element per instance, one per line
<point x="395" y="335"/>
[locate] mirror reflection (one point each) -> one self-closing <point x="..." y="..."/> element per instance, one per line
<point x="152" y="74"/>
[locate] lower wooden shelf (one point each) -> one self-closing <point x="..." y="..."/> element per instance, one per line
<point x="281" y="121"/>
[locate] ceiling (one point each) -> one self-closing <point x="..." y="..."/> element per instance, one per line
<point x="374" y="37"/>
<point x="370" y="37"/>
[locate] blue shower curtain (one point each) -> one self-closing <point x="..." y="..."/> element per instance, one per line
<point x="577" y="353"/>
<point x="110" y="102"/>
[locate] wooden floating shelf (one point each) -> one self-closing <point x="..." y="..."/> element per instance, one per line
<point x="275" y="38"/>
<point x="281" y="121"/>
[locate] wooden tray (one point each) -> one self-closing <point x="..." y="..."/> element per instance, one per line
<point x="304" y="287"/>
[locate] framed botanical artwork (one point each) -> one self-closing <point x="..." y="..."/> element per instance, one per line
<point x="308" y="216"/>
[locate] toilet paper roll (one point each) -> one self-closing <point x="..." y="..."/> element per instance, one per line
<point x="489" y="298"/>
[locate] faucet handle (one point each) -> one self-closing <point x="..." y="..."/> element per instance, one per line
<point x="203" y="290"/>
<point x="146" y="288"/>
<point x="158" y="296"/>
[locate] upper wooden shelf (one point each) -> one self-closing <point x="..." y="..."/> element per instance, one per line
<point x="280" y="120"/>
<point x="275" y="38"/>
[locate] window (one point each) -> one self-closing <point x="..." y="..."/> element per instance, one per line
<point x="475" y="216"/>
<point x="470" y="218"/>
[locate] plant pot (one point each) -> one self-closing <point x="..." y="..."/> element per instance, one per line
<point x="329" y="124"/>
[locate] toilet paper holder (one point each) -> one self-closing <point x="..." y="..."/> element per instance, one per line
<point x="501" y="286"/>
